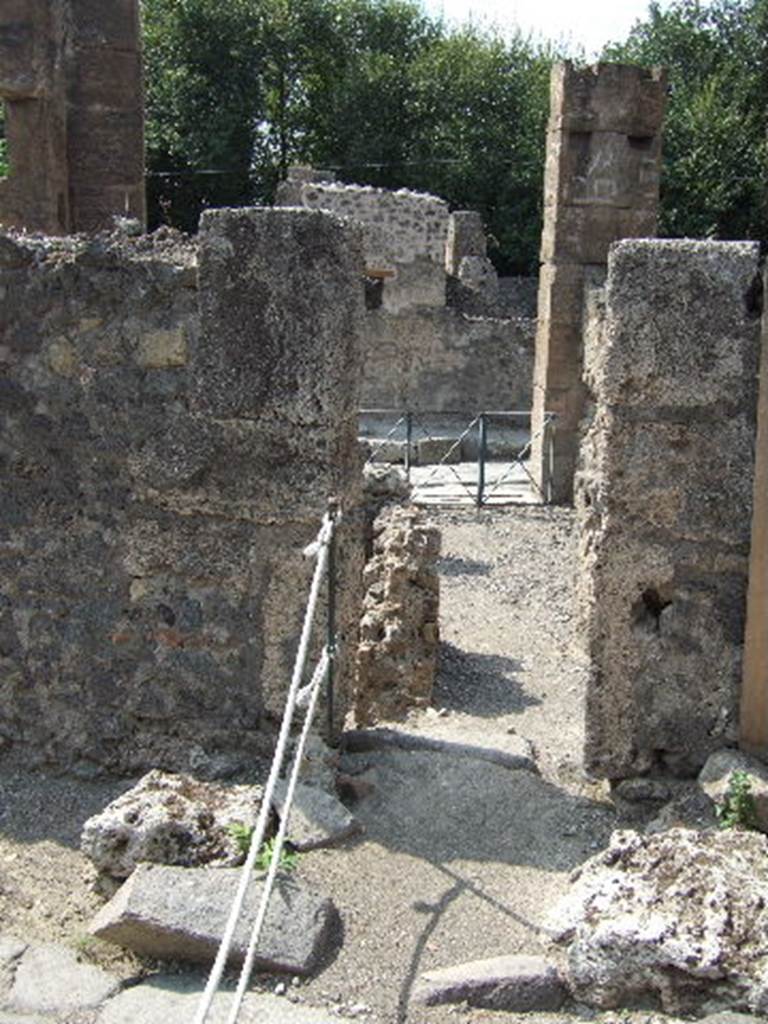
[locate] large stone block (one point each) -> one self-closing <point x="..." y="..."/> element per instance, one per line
<point x="180" y="914"/>
<point x="584" y="234"/>
<point x="664" y="503"/>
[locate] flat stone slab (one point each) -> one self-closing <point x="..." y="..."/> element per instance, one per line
<point x="51" y="979"/>
<point x="511" y="751"/>
<point x="518" y="984"/>
<point x="180" y="914"/>
<point x="169" y="998"/>
<point x="316" y="819"/>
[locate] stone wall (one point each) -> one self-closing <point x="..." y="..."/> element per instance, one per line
<point x="70" y="77"/>
<point x="170" y="436"/>
<point x="754" y="698"/>
<point x="444" y="360"/>
<point x="664" y="495"/>
<point x="441" y="332"/>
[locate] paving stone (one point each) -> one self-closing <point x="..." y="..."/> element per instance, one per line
<point x="317" y="818"/>
<point x="514" y="983"/>
<point x="180" y="913"/>
<point x="166" y="998"/>
<point x="11" y="949"/>
<point x="51" y="979"/>
<point x="15" y="1018"/>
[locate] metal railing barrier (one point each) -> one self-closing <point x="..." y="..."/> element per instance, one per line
<point x="409" y="428"/>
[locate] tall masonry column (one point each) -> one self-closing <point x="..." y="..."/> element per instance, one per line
<point x="601" y="184"/>
<point x="71" y="82"/>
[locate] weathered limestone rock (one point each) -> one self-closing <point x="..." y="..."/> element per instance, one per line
<point x="51" y="979"/>
<point x="518" y="984"/>
<point x="397" y="654"/>
<point x="169" y="819"/>
<point x="317" y="818"/>
<point x="714" y="779"/>
<point x="180" y="914"/>
<point x="466" y="238"/>
<point x="664" y="497"/>
<point x="601" y="183"/>
<point x="681" y="916"/>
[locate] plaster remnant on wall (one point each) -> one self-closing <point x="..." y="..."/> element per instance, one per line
<point x="664" y="499"/>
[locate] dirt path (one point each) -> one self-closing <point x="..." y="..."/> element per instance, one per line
<point x="462" y="859"/>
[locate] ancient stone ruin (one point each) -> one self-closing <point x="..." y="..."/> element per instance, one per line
<point x="664" y="499"/>
<point x="601" y="184"/>
<point x="71" y="81"/>
<point x="172" y="431"/>
<point x="442" y="331"/>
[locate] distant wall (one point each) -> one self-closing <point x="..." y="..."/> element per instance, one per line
<point x="170" y="435"/>
<point x="664" y="495"/>
<point x="444" y="360"/>
<point x="442" y="332"/>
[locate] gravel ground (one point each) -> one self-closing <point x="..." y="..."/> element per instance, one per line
<point x="460" y="859"/>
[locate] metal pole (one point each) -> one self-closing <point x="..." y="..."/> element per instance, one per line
<point x="408" y="436"/>
<point x="481" y="453"/>
<point x="330" y="635"/>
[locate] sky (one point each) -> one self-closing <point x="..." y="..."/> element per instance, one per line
<point x="589" y="23"/>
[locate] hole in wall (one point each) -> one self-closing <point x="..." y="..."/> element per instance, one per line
<point x="753" y="297"/>
<point x="4" y="156"/>
<point x="374" y="293"/>
<point x="640" y="142"/>
<point x="647" y="609"/>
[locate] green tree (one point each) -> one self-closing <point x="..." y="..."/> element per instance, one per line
<point x="204" y="101"/>
<point x="713" y="180"/>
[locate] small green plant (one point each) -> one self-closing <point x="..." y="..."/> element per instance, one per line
<point x="738" y="809"/>
<point x="242" y="834"/>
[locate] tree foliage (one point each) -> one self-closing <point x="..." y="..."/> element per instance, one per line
<point x="713" y="182"/>
<point x="385" y="95"/>
<point x="374" y="89"/>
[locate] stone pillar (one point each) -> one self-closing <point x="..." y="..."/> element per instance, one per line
<point x="466" y="237"/>
<point x="278" y="368"/>
<point x="70" y="77"/>
<point x="35" y="195"/>
<point x="105" y="114"/>
<point x="601" y="184"/>
<point x="664" y="496"/>
<point x="754" y="697"/>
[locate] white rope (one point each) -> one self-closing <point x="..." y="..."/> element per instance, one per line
<point x="257" y="838"/>
<point x="277" y="849"/>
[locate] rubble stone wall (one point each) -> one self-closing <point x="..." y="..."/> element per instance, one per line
<point x="664" y="498"/>
<point x="170" y="435"/>
<point x="399" y="629"/>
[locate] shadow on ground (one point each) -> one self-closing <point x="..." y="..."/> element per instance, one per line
<point x="480" y="684"/>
